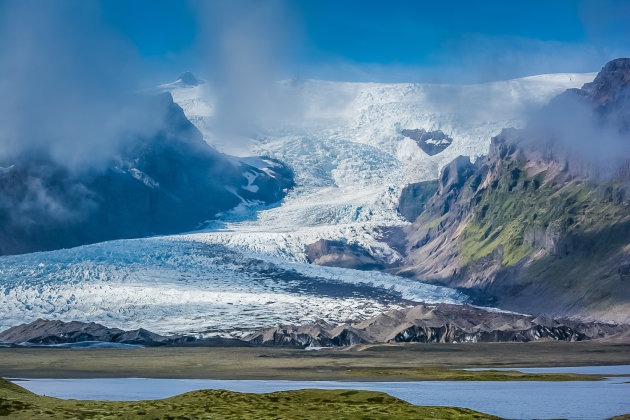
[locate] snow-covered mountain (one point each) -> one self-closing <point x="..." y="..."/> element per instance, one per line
<point x="343" y="142"/>
<point x="350" y="159"/>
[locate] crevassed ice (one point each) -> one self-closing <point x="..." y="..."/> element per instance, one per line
<point x="349" y="158"/>
<point x="250" y="270"/>
<point x="171" y="286"/>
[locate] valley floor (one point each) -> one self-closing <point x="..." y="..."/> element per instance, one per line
<point x="368" y="363"/>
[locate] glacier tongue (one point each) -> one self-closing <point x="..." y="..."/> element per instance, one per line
<point x="249" y="270"/>
<point x="173" y="286"/>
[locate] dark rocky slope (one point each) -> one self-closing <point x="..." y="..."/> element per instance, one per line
<point x="435" y="324"/>
<point x="541" y="224"/>
<point x="414" y="198"/>
<point x="342" y="254"/>
<point x="45" y="333"/>
<point x="168" y="182"/>
<point x="422" y="324"/>
<point x="431" y="142"/>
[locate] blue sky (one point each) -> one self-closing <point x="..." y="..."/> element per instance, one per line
<point x="431" y="41"/>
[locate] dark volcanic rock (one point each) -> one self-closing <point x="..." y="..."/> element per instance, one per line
<point x="44" y="332"/>
<point x="455" y="174"/>
<point x="435" y="324"/>
<point x="414" y="197"/>
<point x="341" y="254"/>
<point x="431" y="142"/>
<point x="56" y="332"/>
<point x="423" y="323"/>
<point x="610" y="91"/>
<point x="146" y="338"/>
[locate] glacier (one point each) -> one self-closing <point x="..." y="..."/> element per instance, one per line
<point x="168" y="285"/>
<point x="248" y="269"/>
<point x="350" y="159"/>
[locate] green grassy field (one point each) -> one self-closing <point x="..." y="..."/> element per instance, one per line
<point x="16" y="402"/>
<point x="440" y="374"/>
<point x="382" y="362"/>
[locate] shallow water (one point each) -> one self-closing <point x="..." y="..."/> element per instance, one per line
<point x="584" y="370"/>
<point x="521" y="399"/>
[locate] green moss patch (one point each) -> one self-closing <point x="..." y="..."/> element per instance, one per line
<point x="516" y="204"/>
<point x="438" y="374"/>
<point x="302" y="404"/>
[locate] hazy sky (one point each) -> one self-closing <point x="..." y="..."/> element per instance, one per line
<point x="435" y="41"/>
<point x="71" y="70"/>
<point x="68" y="66"/>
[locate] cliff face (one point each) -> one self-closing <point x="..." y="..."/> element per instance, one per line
<point x="537" y="226"/>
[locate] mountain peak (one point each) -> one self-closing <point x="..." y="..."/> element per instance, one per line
<point x="612" y="78"/>
<point x="618" y="69"/>
<point x="610" y="91"/>
<point x="188" y="79"/>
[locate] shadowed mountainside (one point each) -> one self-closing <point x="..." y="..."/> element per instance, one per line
<point x="166" y="182"/>
<point x="435" y="324"/>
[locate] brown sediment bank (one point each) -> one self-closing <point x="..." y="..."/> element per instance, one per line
<point x="375" y="362"/>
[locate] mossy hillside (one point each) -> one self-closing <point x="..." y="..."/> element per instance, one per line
<point x="515" y="203"/>
<point x="274" y="363"/>
<point x="15" y="402"/>
<point x="435" y="222"/>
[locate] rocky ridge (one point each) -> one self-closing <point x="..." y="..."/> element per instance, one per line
<point x="435" y="324"/>
<point x="535" y="226"/>
<point x="53" y="332"/>
<point x="440" y="323"/>
<point x="342" y="254"/>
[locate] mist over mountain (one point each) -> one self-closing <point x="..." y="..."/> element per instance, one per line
<point x="69" y="85"/>
<point x="166" y="182"/>
<point x="587" y="127"/>
<point x="541" y="223"/>
<point x="89" y="151"/>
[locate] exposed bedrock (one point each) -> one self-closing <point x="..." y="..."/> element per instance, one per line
<point x="431" y="142"/>
<point x="414" y="197"/>
<point x="342" y="254"/>
<point x="167" y="181"/>
<point x="47" y="332"/>
<point x="435" y="324"/>
<point x="439" y="323"/>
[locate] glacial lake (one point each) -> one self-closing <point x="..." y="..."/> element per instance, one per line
<point x="521" y="399"/>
